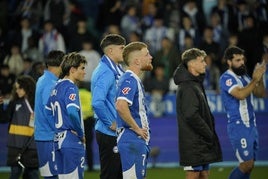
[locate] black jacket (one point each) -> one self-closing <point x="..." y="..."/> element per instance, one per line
<point x="198" y="141"/>
<point x="17" y="114"/>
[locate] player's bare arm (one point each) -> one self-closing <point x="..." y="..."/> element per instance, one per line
<point x="124" y="112"/>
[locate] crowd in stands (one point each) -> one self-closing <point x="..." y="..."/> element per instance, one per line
<point x="30" y="29"/>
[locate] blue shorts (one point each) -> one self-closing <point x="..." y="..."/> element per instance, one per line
<point x="196" y="168"/>
<point x="46" y="158"/>
<point x="70" y="163"/>
<point x="70" y="156"/>
<point x="245" y="141"/>
<point x="134" y="159"/>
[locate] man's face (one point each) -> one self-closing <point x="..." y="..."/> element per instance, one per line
<point x="237" y="64"/>
<point x="117" y="52"/>
<point x="146" y="60"/>
<point x="79" y="72"/>
<point x="199" y="65"/>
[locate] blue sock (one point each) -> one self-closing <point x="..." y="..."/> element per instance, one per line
<point x="238" y="174"/>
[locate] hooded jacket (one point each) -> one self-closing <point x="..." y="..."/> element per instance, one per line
<point x="198" y="141"/>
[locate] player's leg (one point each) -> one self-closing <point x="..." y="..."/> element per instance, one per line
<point x="134" y="160"/>
<point x="245" y="143"/>
<point x="109" y="157"/>
<point x="46" y="158"/>
<point x="197" y="172"/>
<point x="71" y="164"/>
<point x="89" y="129"/>
<point x="15" y="172"/>
<point x="30" y="173"/>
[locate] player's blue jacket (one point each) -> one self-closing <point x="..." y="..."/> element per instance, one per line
<point x="44" y="128"/>
<point x="103" y="87"/>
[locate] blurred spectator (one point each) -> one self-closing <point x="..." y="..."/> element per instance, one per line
<point x="109" y="14"/>
<point x="168" y="56"/>
<point x="111" y="29"/>
<point x="22" y="155"/>
<point x="220" y="35"/>
<point x="76" y="14"/>
<point x="32" y="10"/>
<point x="188" y="43"/>
<point x="81" y="34"/>
<point x="7" y="80"/>
<point x="232" y="41"/>
<point x="227" y="15"/>
<point x="32" y="51"/>
<point x="130" y="21"/>
<point x="212" y="76"/>
<point x="134" y="36"/>
<point x="92" y="57"/>
<point x="22" y="35"/>
<point x="172" y="15"/>
<point x="250" y="38"/>
<point x="37" y="70"/>
<point x="243" y="12"/>
<point x="57" y="11"/>
<point x="149" y="12"/>
<point x="209" y="45"/>
<point x="155" y="34"/>
<point x="157" y="86"/>
<point x="50" y="39"/>
<point x="187" y="29"/>
<point x="14" y="60"/>
<point x="207" y="6"/>
<point x="27" y="66"/>
<point x="262" y="13"/>
<point x="3" y="46"/>
<point x="197" y="16"/>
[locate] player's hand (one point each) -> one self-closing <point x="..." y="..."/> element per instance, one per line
<point x="142" y="132"/>
<point x="113" y="126"/>
<point x="259" y="71"/>
<point x="265" y="58"/>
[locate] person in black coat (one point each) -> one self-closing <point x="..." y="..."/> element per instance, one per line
<point x="19" y="114"/>
<point x="198" y="142"/>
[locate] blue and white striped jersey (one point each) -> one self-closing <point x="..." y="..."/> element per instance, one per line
<point x="64" y="106"/>
<point x="130" y="88"/>
<point x="237" y="110"/>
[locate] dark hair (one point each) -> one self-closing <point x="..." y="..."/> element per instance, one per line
<point x="54" y="58"/>
<point x="27" y="83"/>
<point x="112" y="39"/>
<point x="73" y="59"/>
<point x="231" y="51"/>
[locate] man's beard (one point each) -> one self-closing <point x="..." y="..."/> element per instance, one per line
<point x="240" y="71"/>
<point x="148" y="67"/>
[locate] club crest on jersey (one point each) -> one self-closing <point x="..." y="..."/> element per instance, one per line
<point x="228" y="82"/>
<point x="72" y="96"/>
<point x="126" y="90"/>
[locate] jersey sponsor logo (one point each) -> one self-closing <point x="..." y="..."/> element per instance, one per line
<point x="228" y="82"/>
<point x="126" y="90"/>
<point x="72" y="96"/>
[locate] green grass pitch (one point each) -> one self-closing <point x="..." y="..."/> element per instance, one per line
<point x="178" y="173"/>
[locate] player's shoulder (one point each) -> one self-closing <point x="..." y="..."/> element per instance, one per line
<point x="227" y="75"/>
